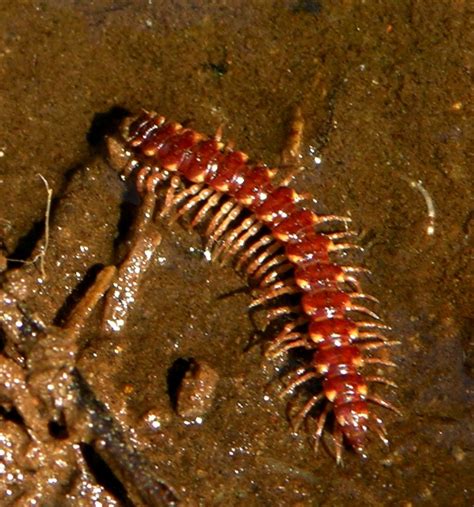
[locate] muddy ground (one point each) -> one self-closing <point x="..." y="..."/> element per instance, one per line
<point x="385" y="91"/>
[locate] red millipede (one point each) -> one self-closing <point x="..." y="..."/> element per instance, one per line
<point x="284" y="248"/>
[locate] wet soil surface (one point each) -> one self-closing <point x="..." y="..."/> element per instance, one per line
<point x="384" y="89"/>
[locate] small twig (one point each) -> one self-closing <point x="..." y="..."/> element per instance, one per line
<point x="291" y="152"/>
<point x="128" y="280"/>
<point x="86" y="305"/>
<point x="290" y="156"/>
<point x="430" y="229"/>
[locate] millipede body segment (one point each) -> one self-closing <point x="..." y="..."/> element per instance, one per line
<point x="291" y="254"/>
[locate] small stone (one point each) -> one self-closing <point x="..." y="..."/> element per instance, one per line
<point x="157" y="417"/>
<point x="458" y="453"/>
<point x="197" y="390"/>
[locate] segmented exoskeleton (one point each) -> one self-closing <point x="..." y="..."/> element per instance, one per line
<point x="284" y="248"/>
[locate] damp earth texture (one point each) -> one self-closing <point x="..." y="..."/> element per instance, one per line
<point x="132" y="371"/>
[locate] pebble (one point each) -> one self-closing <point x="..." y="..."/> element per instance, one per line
<point x="197" y="390"/>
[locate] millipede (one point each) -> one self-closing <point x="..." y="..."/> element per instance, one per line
<point x="293" y="255"/>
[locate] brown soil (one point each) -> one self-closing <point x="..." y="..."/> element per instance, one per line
<point x="384" y="89"/>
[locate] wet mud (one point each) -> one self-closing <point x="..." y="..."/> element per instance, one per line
<point x="181" y="403"/>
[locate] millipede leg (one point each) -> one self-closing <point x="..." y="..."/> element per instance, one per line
<point x="340" y="247"/>
<point x="334" y="218"/>
<point x="320" y="427"/>
<point x="215" y="221"/>
<point x="130" y="167"/>
<point x="240" y="241"/>
<point x="361" y="295"/>
<point x="286" y="333"/>
<point x="378" y="426"/>
<point x="175" y="183"/>
<point x="378" y="360"/>
<point x="300" y="417"/>
<point x="212" y="202"/>
<point x="338" y="443"/>
<point x="154" y="180"/>
<point x="353" y="282"/>
<point x="274" y="293"/>
<point x="375" y="336"/>
<point x="224" y="225"/>
<point x="296" y="381"/>
<point x="376" y="345"/>
<point x="274" y="261"/>
<point x="261" y="258"/>
<point x="142" y="174"/>
<point x="202" y="195"/>
<point x="275" y="286"/>
<point x="251" y="250"/>
<point x="335" y="236"/>
<point x="369" y="323"/>
<point x="384" y="404"/>
<point x="276" y="351"/>
<point x="362" y="309"/>
<point x="187" y="193"/>
<point x="231" y="236"/>
<point x="282" y="310"/>
<point x="356" y="270"/>
<point x="381" y="380"/>
<point x="289" y="346"/>
<point x="275" y="273"/>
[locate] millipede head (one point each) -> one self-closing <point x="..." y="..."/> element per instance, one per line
<point x="118" y="156"/>
<point x="135" y="122"/>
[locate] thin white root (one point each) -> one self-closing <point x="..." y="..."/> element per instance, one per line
<point x="416" y="184"/>
<point x="44" y="247"/>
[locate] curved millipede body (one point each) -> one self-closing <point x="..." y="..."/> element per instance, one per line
<point x="284" y="248"/>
